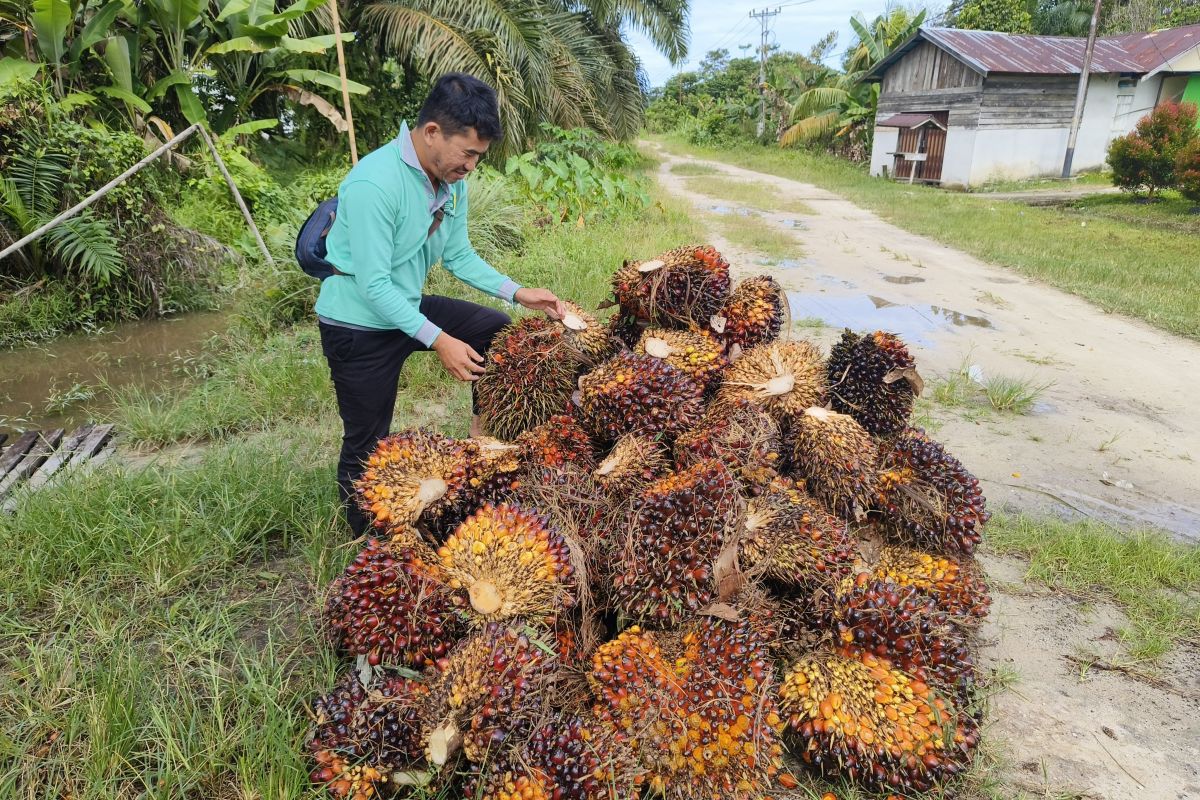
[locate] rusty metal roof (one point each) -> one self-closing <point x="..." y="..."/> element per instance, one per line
<point x="909" y="121"/>
<point x="989" y="51"/>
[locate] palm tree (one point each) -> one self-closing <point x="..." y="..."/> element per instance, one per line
<point x="558" y="61"/>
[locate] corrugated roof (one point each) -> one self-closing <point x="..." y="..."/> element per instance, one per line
<point x="909" y="121"/>
<point x="989" y="51"/>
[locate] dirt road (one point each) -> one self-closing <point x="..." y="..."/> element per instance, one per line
<point x="1114" y="436"/>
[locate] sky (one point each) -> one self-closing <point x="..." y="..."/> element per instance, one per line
<point x="727" y="24"/>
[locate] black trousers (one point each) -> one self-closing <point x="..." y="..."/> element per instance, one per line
<point x="365" y="367"/>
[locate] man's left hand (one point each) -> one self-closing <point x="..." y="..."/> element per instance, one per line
<point x="542" y="300"/>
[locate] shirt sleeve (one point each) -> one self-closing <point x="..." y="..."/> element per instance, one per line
<point x="372" y="217"/>
<point x="460" y="259"/>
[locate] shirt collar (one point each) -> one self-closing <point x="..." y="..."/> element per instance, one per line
<point x="408" y="154"/>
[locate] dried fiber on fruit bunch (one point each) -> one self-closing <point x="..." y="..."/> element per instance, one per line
<point x="697" y="707"/>
<point x="569" y="758"/>
<point x="782" y="379"/>
<point x="491" y="689"/>
<point x="637" y="394"/>
<point x="958" y="587"/>
<point x="504" y="561"/>
<point x="905" y="626"/>
<point x="927" y="497"/>
<point x="361" y="735"/>
<point x="683" y="286"/>
<point x="529" y="377"/>
<point x="742" y="436"/>
<point x="874" y="379"/>
<point x="586" y="335"/>
<point x="415" y="476"/>
<point x="836" y="459"/>
<point x="754" y="313"/>
<point x="858" y="716"/>
<point x="556" y="444"/>
<point x="693" y="352"/>
<point x="393" y="606"/>
<point x="495" y="471"/>
<point x="665" y="572"/>
<point x="635" y="462"/>
<point x="789" y="537"/>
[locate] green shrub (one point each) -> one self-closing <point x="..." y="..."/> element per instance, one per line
<point x="1187" y="170"/>
<point x="1145" y="158"/>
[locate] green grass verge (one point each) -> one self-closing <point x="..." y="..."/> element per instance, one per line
<point x="1119" y="266"/>
<point x="1155" y="581"/>
<point x="758" y="235"/>
<point x="1170" y="213"/>
<point x="159" y="625"/>
<point x="747" y="194"/>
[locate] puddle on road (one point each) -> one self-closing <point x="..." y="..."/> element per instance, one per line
<point x="794" y="223"/>
<point x="787" y="263"/>
<point x="1002" y="280"/>
<point x="741" y="211"/>
<point x="867" y="312"/>
<point x="903" y="279"/>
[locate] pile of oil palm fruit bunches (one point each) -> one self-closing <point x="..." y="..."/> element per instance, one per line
<point x="698" y="560"/>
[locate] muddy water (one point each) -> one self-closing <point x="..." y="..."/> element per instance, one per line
<point x="60" y="383"/>
<point x="867" y="312"/>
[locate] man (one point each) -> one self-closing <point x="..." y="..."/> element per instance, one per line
<point x="401" y="210"/>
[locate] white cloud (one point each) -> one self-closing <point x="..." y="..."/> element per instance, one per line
<point x="727" y="24"/>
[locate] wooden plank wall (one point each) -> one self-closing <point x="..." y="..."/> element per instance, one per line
<point x="1028" y="101"/>
<point x="930" y="79"/>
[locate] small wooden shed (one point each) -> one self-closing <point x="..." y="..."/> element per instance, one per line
<point x="963" y="107"/>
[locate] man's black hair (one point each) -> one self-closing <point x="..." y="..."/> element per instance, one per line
<point x="459" y="101"/>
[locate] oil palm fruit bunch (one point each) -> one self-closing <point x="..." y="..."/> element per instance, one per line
<point x="742" y="436"/>
<point x="754" y="313"/>
<point x="529" y="377"/>
<point x="905" y="626"/>
<point x="791" y="538"/>
<point x="496" y="470"/>
<point x="555" y="445"/>
<point x="684" y="286"/>
<point x="393" y="606"/>
<point x="858" y="716"/>
<point x="782" y="378"/>
<point x="586" y="334"/>
<point x="634" y="462"/>
<point x="956" y="586"/>
<point x="666" y="571"/>
<point x="697" y="708"/>
<point x="569" y="758"/>
<point x="490" y="689"/>
<point x="927" y="497"/>
<point x="874" y="379"/>
<point x="693" y="352"/>
<point x="837" y="460"/>
<point x="363" y="734"/>
<point x="637" y="394"/>
<point x="504" y="561"/>
<point x="415" y="476"/>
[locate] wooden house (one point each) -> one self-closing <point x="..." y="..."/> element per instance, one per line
<point x="961" y="108"/>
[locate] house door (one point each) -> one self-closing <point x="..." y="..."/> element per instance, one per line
<point x="928" y="141"/>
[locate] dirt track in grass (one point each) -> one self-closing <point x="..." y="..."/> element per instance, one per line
<point x="1113" y="436"/>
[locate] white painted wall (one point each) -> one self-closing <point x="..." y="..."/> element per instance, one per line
<point x="883" y="144"/>
<point x="960" y="153"/>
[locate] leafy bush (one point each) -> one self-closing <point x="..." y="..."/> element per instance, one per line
<point x="1145" y="158"/>
<point x="1187" y="170"/>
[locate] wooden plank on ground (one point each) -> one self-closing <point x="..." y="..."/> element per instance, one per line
<point x="43" y="445"/>
<point x="16" y="451"/>
<point x="3" y="437"/>
<point x="96" y="439"/>
<point x="61" y="456"/>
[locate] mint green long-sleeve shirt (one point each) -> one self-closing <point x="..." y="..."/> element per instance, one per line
<point x="379" y="238"/>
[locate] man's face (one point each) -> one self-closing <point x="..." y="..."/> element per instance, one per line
<point x="453" y="157"/>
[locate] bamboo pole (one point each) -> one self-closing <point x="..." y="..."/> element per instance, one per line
<point x="237" y="196"/>
<point x="341" y="54"/>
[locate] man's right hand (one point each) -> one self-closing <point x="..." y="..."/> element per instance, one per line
<point x="458" y="357"/>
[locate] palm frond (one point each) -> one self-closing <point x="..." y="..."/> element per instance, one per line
<point x="38" y="176"/>
<point x="809" y="128"/>
<point x="86" y="244"/>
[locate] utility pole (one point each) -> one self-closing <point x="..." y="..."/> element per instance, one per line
<point x="764" y="18"/>
<point x="1081" y="93"/>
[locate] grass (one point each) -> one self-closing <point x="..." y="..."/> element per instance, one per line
<point x="1096" y="178"/>
<point x="1121" y="267"/>
<point x="1171" y="212"/>
<point x="159" y="625"/>
<point x="1013" y="395"/>
<point x="958" y="389"/>
<point x="759" y="236"/>
<point x="693" y="169"/>
<point x="1154" y="580"/>
<point x="748" y="194"/>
